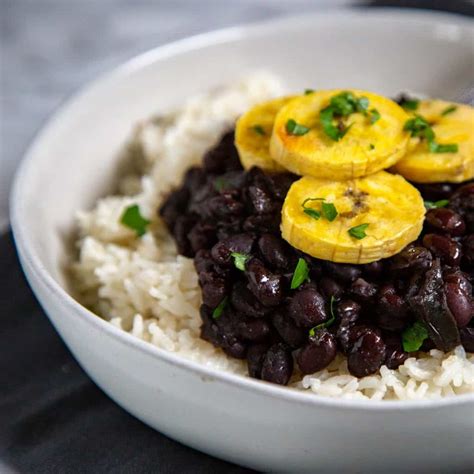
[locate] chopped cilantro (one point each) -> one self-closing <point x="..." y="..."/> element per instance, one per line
<point x="436" y="204"/>
<point x="409" y="104"/>
<point x="419" y="127"/>
<point x="442" y="147"/>
<point x="133" y="219"/>
<point x="220" y="308"/>
<point x="413" y="336"/>
<point x="341" y="105"/>
<point x="300" y="275"/>
<point x="220" y="183"/>
<point x="374" y="116"/>
<point x="294" y="128"/>
<point x="259" y="130"/>
<point x="358" y="232"/>
<point x="329" y="211"/>
<point x="327" y="323"/>
<point x="239" y="260"/>
<point x="308" y="91"/>
<point x="448" y="110"/>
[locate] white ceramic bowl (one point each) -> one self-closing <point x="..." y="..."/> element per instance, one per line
<point x="252" y="423"/>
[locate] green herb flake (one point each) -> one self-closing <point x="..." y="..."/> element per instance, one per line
<point x="308" y="91"/>
<point x="258" y="129"/>
<point x="413" y="336"/>
<point x="410" y="104"/>
<point x="294" y="128"/>
<point x="329" y="211"/>
<point x="220" y="184"/>
<point x="341" y="105"/>
<point x="240" y="259"/>
<point x="300" y="275"/>
<point x="133" y="219"/>
<point x="362" y="105"/>
<point x="419" y="127"/>
<point x="326" y="117"/>
<point x="374" y="116"/>
<point x="358" y="232"/>
<point x="436" y="204"/>
<point x="371" y="146"/>
<point x="442" y="148"/>
<point x="309" y="210"/>
<point x="327" y="323"/>
<point x="216" y="314"/>
<point x="449" y="110"/>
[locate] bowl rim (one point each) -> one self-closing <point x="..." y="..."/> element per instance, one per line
<point x="32" y="263"/>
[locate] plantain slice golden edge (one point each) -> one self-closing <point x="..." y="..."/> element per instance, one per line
<point x="377" y="216"/>
<point x="367" y="146"/>
<point x="452" y="124"/>
<point x="253" y="132"/>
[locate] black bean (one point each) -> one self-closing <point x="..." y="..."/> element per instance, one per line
<point x="277" y="364"/>
<point x="182" y="227"/>
<point x="174" y="206"/>
<point x="245" y="302"/>
<point x="330" y="287"/>
<point x="307" y="307"/>
<point x="458" y="292"/>
<point x="442" y="246"/>
<point x="429" y="305"/>
<point x="263" y="223"/>
<point x="394" y="353"/>
<point x="446" y="220"/>
<point x="213" y="292"/>
<point x="194" y="179"/>
<point x="287" y="329"/>
<point x="468" y="250"/>
<point x="265" y="285"/>
<point x="462" y="201"/>
<point x="348" y="311"/>
<point x="255" y="355"/>
<point x="203" y="261"/>
<point x="367" y="354"/>
<point x="391" y="309"/>
<point x="436" y="191"/>
<point x="224" y="206"/>
<point x="343" y="272"/>
<point x="467" y="338"/>
<point x="411" y="258"/>
<point x="363" y="290"/>
<point x="275" y="251"/>
<point x="373" y="269"/>
<point x="348" y="335"/>
<point x="202" y="236"/>
<point x="255" y="330"/>
<point x="240" y="243"/>
<point x="222" y="157"/>
<point x="318" y="353"/>
<point x="233" y="347"/>
<point x="279" y="184"/>
<point x="261" y="200"/>
<point x="229" y="228"/>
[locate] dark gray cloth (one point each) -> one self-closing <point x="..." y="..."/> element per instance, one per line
<point x="53" y="418"/>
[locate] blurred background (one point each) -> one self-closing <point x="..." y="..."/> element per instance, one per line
<point x="49" y="48"/>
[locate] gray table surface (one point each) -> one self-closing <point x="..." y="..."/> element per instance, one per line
<point x="49" y="48"/>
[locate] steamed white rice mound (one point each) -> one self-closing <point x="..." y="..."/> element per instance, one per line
<point x="142" y="286"/>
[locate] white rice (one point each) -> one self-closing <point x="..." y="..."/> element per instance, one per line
<point x="143" y="287"/>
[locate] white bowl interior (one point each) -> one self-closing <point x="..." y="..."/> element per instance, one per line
<point x="75" y="156"/>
